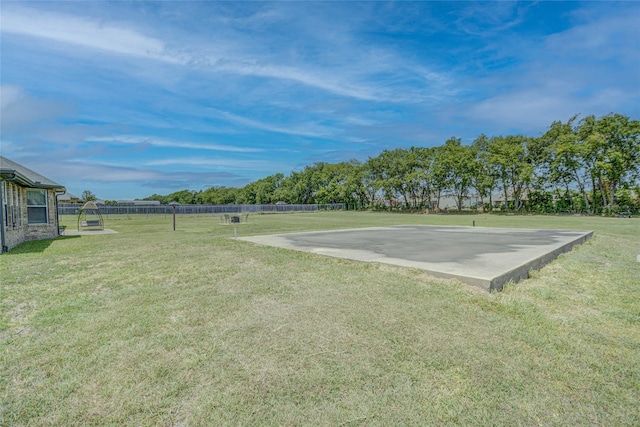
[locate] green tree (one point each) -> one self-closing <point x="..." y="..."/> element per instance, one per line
<point x="483" y="176"/>
<point x="566" y="160"/>
<point x="611" y="150"/>
<point x="339" y="183"/>
<point x="438" y="174"/>
<point x="514" y="169"/>
<point x="307" y="183"/>
<point x="158" y="197"/>
<point x="396" y="172"/>
<point x="286" y="192"/>
<point x="262" y="191"/>
<point x="371" y="182"/>
<point x="353" y="184"/>
<point x="421" y="176"/>
<point x="88" y="196"/>
<point x="601" y="155"/>
<point x="457" y="160"/>
<point x="184" y="197"/>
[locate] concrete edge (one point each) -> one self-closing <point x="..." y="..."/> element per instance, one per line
<point x="522" y="272"/>
<point x="467" y="280"/>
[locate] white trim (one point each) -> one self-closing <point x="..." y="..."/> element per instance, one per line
<point x="45" y="206"/>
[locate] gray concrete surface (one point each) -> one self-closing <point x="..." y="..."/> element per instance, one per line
<point x="76" y="232"/>
<point x="485" y="257"/>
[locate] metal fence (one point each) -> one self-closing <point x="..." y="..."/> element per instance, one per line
<point x="74" y="209"/>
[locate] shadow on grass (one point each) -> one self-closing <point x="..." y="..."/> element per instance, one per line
<point x="35" y="246"/>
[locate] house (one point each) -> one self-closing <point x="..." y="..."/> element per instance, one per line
<point x="29" y="206"/>
<point x="139" y="202"/>
<point x="68" y="198"/>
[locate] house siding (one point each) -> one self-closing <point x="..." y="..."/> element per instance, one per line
<point x="17" y="227"/>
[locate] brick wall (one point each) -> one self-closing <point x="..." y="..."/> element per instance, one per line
<point x="19" y="230"/>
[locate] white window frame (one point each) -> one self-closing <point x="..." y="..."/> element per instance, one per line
<point x="5" y="204"/>
<point x="15" y="204"/>
<point x="31" y="207"/>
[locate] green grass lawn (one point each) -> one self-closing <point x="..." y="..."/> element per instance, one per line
<point x="193" y="328"/>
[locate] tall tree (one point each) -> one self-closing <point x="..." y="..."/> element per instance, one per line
<point x="262" y="191"/>
<point x="346" y="180"/>
<point x="611" y="153"/>
<point x="184" y="197"/>
<point x="566" y="160"/>
<point x="601" y="155"/>
<point x="438" y="174"/>
<point x="88" y="196"/>
<point x="457" y="160"/>
<point x="393" y="169"/>
<point x="371" y="180"/>
<point x="483" y="177"/>
<point x="514" y="169"/>
<point x="422" y="175"/>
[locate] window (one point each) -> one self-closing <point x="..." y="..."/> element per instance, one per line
<point x="16" y="220"/>
<point x="37" y="206"/>
<point x="5" y="208"/>
<point x="10" y="198"/>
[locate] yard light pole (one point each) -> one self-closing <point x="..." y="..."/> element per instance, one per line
<point x="173" y="205"/>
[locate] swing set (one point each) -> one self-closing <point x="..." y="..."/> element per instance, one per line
<point x="90" y="218"/>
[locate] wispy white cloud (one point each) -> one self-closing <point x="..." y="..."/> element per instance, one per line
<point x="308" y="129"/>
<point x="86" y="32"/>
<point x="157" y="142"/>
<point x="219" y="163"/>
<point x="526" y="110"/>
<point x="533" y="110"/>
<point x="308" y="78"/>
<point x="354" y="79"/>
<point x="360" y="121"/>
<point x="483" y="18"/>
<point x="21" y="110"/>
<point x="584" y="69"/>
<point x="604" y="38"/>
<point x="111" y="172"/>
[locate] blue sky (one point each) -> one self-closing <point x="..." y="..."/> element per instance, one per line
<point x="128" y="99"/>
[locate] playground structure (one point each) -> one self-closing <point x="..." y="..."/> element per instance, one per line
<point x="90" y="217"/>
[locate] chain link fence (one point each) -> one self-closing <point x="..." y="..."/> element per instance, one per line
<point x="74" y="209"/>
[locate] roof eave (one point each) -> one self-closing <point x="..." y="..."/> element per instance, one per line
<point x="26" y="182"/>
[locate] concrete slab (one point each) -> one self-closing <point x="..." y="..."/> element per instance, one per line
<point x="75" y="232"/>
<point x="485" y="257"/>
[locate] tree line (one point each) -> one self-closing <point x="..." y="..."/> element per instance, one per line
<point x="589" y="165"/>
